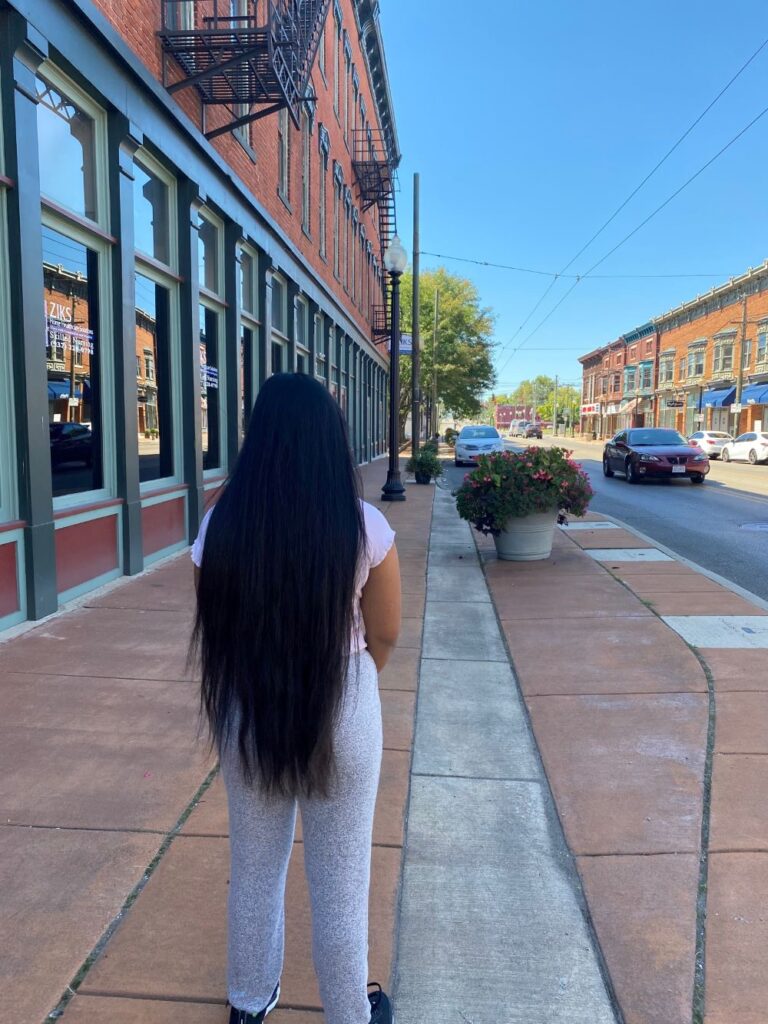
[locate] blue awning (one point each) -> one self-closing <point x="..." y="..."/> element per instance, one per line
<point x="716" y="398"/>
<point x="60" y="389"/>
<point x="755" y="394"/>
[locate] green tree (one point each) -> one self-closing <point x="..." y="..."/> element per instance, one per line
<point x="461" y="353"/>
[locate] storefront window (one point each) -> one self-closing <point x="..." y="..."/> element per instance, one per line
<point x="210" y="392"/>
<point x="246" y="376"/>
<point x="153" y="380"/>
<point x="66" y="144"/>
<point x="70" y="281"/>
<point x="247" y="282"/>
<point x="151" y="214"/>
<point x="208" y="254"/>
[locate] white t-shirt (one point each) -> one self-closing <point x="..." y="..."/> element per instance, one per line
<point x="379" y="539"/>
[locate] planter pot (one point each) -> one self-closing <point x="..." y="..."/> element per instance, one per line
<point x="422" y="478"/>
<point x="527" y="538"/>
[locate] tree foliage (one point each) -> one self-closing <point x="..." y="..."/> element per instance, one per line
<point x="539" y="393"/>
<point x="461" y="351"/>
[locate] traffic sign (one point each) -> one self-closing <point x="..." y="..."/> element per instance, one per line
<point x="736" y="407"/>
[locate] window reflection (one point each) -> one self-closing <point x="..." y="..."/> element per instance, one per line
<point x="153" y="380"/>
<point x="247" y="297"/>
<point x="70" y="296"/>
<point x="207" y="252"/>
<point x="150" y="214"/>
<point x="209" y="389"/>
<point x="66" y="149"/>
<point x="246" y="376"/>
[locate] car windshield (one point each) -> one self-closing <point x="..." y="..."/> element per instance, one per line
<point x="655" y="437"/>
<point x="716" y="433"/>
<point x="472" y="433"/>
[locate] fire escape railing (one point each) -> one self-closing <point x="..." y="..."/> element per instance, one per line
<point x="374" y="165"/>
<point x="261" y="58"/>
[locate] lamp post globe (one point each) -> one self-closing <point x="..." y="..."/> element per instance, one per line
<point x="395" y="262"/>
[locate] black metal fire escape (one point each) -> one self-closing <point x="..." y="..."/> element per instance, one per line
<point x="261" y="58"/>
<point x="374" y="165"/>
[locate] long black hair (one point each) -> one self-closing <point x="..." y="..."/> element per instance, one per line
<point x="276" y="589"/>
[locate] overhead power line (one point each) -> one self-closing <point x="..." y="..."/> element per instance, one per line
<point x="553" y="273"/>
<point x="631" y="196"/>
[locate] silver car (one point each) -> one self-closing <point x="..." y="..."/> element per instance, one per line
<point x="473" y="442"/>
<point x="711" y="441"/>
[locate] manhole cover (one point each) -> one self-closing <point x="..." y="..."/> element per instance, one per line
<point x="754" y="526"/>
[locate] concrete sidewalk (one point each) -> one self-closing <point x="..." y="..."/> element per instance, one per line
<point x="587" y="829"/>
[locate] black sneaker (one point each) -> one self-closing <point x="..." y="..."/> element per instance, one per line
<point x="243" y="1017"/>
<point x="381" y="1007"/>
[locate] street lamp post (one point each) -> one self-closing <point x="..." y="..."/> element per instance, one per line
<point x="395" y="262"/>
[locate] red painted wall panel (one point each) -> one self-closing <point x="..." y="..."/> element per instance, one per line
<point x="85" y="551"/>
<point x="9" y="585"/>
<point x="163" y="524"/>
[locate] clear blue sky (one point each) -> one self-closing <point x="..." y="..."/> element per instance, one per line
<point x="531" y="122"/>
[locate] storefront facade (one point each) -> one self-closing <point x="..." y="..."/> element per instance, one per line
<point x="149" y="284"/>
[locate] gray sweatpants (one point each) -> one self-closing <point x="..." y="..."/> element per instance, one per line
<point x="337" y="858"/>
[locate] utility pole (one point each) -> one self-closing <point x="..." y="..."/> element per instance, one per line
<point x="415" y="328"/>
<point x="740" y="374"/>
<point x="554" y="409"/>
<point x="433" y="410"/>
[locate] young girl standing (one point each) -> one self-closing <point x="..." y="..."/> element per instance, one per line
<point x="298" y="606"/>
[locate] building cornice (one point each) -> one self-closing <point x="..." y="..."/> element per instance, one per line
<point x="372" y="45"/>
<point x="723" y="294"/>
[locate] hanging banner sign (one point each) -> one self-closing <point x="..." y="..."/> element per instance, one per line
<point x="591" y="409"/>
<point x="406" y="345"/>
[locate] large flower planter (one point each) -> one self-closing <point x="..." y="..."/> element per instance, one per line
<point x="527" y="538"/>
<point x="422" y="478"/>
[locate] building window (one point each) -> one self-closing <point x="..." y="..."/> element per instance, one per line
<point x="306" y="172"/>
<point x="682" y="368"/>
<point x="73" y="363"/>
<point x="646" y="376"/>
<point x="301" y="327"/>
<point x="723" y="357"/>
<point x="696" y="362"/>
<point x="279" y="325"/>
<point x="629" y="379"/>
<point x="323" y="203"/>
<point x="347" y="83"/>
<point x="666" y="370"/>
<point x="249" y="333"/>
<point x="284" y="155"/>
<point x="336" y="62"/>
<point x="321" y="54"/>
<point x="210" y="390"/>
<point x="151" y="222"/>
<point x="336" y="228"/>
<point x="353" y="256"/>
<point x="67" y="149"/>
<point x="762" y="346"/>
<point x="154" y="393"/>
<point x="746" y="353"/>
<point x="208" y="254"/>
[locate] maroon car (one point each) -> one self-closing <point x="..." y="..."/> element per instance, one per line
<point x="654" y="452"/>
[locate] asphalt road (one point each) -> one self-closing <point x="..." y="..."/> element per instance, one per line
<point x="713" y="526"/>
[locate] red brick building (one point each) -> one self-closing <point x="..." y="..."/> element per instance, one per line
<point x="194" y="194"/>
<point x="702" y="365"/>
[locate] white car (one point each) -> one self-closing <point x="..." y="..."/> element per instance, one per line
<point x="748" y="447"/>
<point x="473" y="442"/>
<point x="711" y="441"/>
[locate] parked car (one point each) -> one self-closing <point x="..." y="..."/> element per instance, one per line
<point x="517" y="428"/>
<point x="711" y="441"/>
<point x="71" y="442"/>
<point x="475" y="441"/>
<point x="533" y="430"/>
<point x="654" y="452"/>
<point x="748" y="447"/>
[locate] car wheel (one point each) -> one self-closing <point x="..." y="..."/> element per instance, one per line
<point x="456" y="463"/>
<point x="629" y="472"/>
<point x="698" y="479"/>
<point x="607" y="471"/>
<point x="752" y="457"/>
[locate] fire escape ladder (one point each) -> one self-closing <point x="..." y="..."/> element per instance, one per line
<point x="374" y="167"/>
<point x="255" y="63"/>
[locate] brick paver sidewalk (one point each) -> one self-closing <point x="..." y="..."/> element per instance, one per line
<point x="647" y="686"/>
